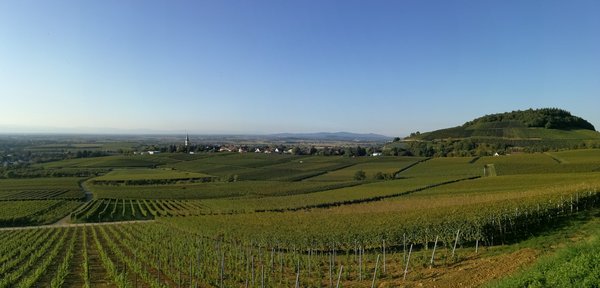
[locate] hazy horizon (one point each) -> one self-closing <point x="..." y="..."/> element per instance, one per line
<point x="264" y="67"/>
<point x="16" y="130"/>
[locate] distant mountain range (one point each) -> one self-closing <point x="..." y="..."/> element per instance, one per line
<point x="333" y="136"/>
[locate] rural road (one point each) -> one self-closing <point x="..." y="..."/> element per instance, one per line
<point x="67" y="219"/>
<point x="89" y="196"/>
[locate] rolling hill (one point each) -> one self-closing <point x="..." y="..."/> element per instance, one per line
<point x="538" y="124"/>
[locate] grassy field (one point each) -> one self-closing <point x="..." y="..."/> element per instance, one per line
<point x="575" y="263"/>
<point x="575" y="266"/>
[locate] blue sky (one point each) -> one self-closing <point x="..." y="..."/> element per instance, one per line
<point x="389" y="67"/>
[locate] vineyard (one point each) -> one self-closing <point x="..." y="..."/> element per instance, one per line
<point x="38" y="201"/>
<point x="149" y="176"/>
<point x="34" y="212"/>
<point x="40" y="189"/>
<point x="155" y="255"/>
<point x="213" y="190"/>
<point x="168" y="254"/>
<point x="284" y="220"/>
<point x="109" y="210"/>
<point x="484" y="219"/>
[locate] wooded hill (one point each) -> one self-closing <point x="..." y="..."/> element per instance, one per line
<point x="538" y="124"/>
<point x="532" y="130"/>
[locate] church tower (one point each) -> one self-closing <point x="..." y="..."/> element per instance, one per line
<point x="187" y="140"/>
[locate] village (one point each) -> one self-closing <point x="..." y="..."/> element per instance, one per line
<point x="187" y="146"/>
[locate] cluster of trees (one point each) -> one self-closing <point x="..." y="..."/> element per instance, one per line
<point x="88" y="153"/>
<point x="398" y="151"/>
<point x="21" y="158"/>
<point x="231" y="178"/>
<point x="348" y="151"/>
<point x="545" y="146"/>
<point x="360" y="175"/>
<point x="550" y="118"/>
<point x="455" y="148"/>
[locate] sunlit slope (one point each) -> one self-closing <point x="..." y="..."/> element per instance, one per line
<point x="539" y="124"/>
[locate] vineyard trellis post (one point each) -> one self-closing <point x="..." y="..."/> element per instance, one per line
<point x="404" y="248"/>
<point x="272" y="259"/>
<point x="309" y="256"/>
<point x="298" y="276"/>
<point x="384" y="256"/>
<point x="375" y="273"/>
<point x="330" y="270"/>
<point x="339" y="276"/>
<point x="407" y="262"/>
<point x="360" y="252"/>
<point x="433" y="253"/>
<point x="262" y="277"/>
<point x="455" y="242"/>
<point x="222" y="266"/>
